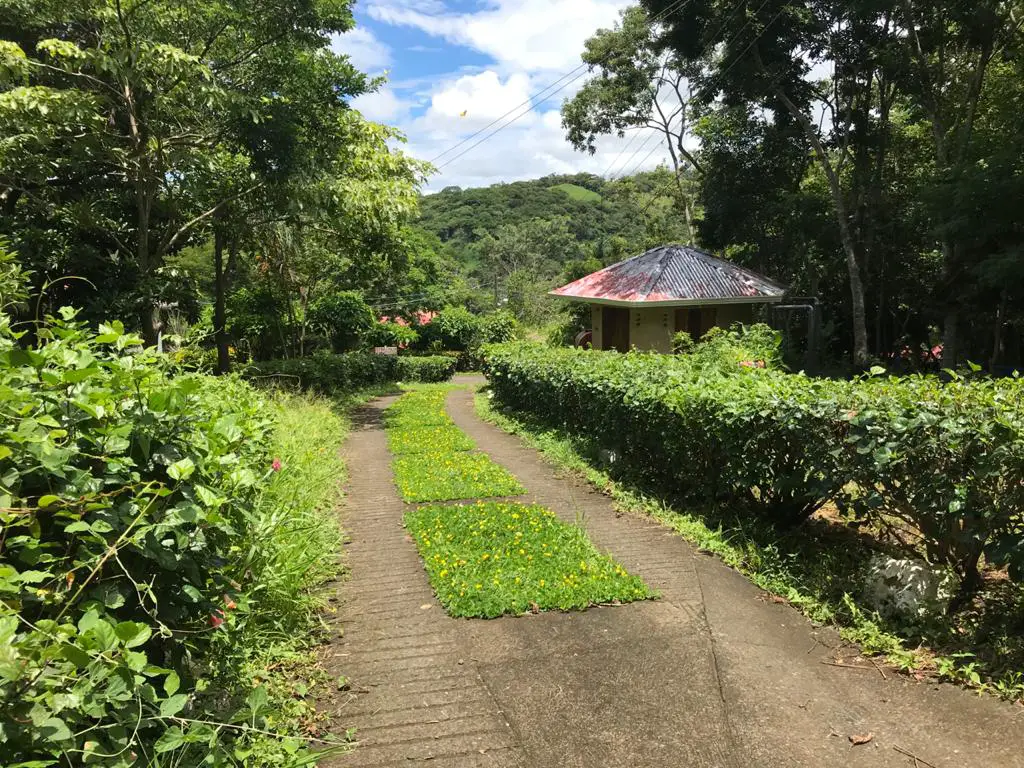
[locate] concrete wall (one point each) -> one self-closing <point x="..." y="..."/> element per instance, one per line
<point x="595" y="326"/>
<point x="651" y="329"/>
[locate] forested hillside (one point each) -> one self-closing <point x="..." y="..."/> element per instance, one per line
<point x="514" y="242"/>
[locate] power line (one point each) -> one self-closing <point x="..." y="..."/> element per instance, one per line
<point x="584" y="66"/>
<point x="654" y="149"/>
<point x="624" y="150"/>
<point x="717" y="76"/>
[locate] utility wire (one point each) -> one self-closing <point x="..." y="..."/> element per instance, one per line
<point x="581" y="69"/>
<point x="722" y="74"/>
<point x="615" y="161"/>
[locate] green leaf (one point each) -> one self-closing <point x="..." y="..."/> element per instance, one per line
<point x="172" y="683"/>
<point x="181" y="470"/>
<point x="133" y="633"/>
<point x="54" y="729"/>
<point x="172" y="738"/>
<point x="47" y="501"/>
<point x="173" y="704"/>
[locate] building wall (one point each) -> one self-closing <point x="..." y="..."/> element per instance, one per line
<point x="651" y="329"/>
<point x="597" y="340"/>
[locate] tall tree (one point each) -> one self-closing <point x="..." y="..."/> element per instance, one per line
<point x="763" y="55"/>
<point x="637" y="86"/>
<point x="129" y="115"/>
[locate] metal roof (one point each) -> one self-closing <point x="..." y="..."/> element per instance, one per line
<point x="673" y="274"/>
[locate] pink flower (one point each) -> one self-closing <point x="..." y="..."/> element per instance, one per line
<point x="229" y="603"/>
<point x="276" y="465"/>
<point x="216" y="618"/>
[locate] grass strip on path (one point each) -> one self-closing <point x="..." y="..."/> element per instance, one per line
<point x="450" y="476"/>
<point x="440" y="439"/>
<point x="493" y="558"/>
<point x="434" y="459"/>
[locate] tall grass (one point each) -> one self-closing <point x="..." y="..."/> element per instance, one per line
<point x="289" y="553"/>
<point x="293" y="544"/>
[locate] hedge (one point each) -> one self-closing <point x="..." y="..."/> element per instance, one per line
<point x="944" y="459"/>
<point x="329" y="373"/>
<point x="124" y="491"/>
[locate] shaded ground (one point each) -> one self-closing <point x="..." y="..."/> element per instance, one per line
<point x="712" y="674"/>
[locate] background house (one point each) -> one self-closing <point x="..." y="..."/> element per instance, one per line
<point x="641" y="302"/>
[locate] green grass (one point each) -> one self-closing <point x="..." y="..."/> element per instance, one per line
<point x="288" y="555"/>
<point x="816" y="568"/>
<point x="492" y="558"/>
<point x="581" y="194"/>
<point x="430" y="439"/>
<point x="449" y="476"/>
<point x="433" y="460"/>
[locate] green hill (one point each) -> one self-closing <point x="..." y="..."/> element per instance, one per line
<point x="579" y="193"/>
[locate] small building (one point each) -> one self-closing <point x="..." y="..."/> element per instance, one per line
<point x="641" y="302"/>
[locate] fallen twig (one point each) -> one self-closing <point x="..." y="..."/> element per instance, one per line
<point x="918" y="761"/>
<point x="847" y="666"/>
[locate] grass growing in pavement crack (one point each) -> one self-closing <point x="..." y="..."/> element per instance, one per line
<point x="491" y="558"/>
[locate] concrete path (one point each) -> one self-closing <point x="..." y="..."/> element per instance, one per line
<point x="712" y="674"/>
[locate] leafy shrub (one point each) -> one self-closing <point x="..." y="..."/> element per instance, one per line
<point x="435" y="368"/>
<point x="329" y="373"/>
<point x="946" y="460"/>
<point x="497" y="328"/>
<point x="344" y="317"/>
<point x="122" y="492"/>
<point x="453" y="328"/>
<point x="713" y="436"/>
<point x="752" y="346"/>
<point x="391" y="335"/>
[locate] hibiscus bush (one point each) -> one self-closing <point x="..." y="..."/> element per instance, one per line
<point x="939" y="464"/>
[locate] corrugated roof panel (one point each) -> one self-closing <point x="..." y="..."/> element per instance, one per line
<point x="673" y="273"/>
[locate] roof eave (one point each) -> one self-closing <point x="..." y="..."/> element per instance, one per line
<point x="640" y="304"/>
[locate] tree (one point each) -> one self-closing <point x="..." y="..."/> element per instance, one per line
<point x="135" y="119"/>
<point x="638" y="86"/>
<point x="766" y="56"/>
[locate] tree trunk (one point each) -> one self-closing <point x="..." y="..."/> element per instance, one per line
<point x="149" y="319"/>
<point x="859" y="315"/>
<point x="997" y="334"/>
<point x="219" y="311"/>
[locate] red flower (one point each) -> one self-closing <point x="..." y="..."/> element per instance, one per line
<point x="216" y="618"/>
<point x="276" y="465"/>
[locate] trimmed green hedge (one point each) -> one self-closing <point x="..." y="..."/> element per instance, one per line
<point x="945" y="459"/>
<point x="328" y="373"/>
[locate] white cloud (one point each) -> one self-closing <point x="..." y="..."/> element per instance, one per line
<point x="523" y="35"/>
<point x="384" y="106"/>
<point x="530" y="44"/>
<point x="476" y="100"/>
<point x="363" y="48"/>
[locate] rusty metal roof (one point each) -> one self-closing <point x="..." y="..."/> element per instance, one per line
<point x="673" y="274"/>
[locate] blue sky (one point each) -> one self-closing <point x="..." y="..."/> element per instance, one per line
<point x="444" y="58"/>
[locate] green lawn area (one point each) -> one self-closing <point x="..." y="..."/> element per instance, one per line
<point x="434" y="459"/>
<point x="493" y="558"/>
<point x="429" y="439"/>
<point x="452" y="475"/>
<point x="578" y="193"/>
